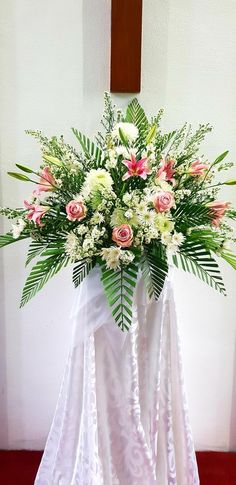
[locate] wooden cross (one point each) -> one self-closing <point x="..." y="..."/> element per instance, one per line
<point x="126" y="38"/>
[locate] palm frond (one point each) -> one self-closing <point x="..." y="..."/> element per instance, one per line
<point x="189" y="214"/>
<point x="45" y="247"/>
<point x="119" y="288"/>
<point x="195" y="258"/>
<point x="89" y="148"/>
<point x="81" y="270"/>
<point x="135" y="114"/>
<point x="41" y="273"/>
<point x="9" y="239"/>
<point x="154" y="269"/>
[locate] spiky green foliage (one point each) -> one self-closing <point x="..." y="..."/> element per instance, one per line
<point x="9" y="239"/>
<point x="191" y="214"/>
<point x="49" y="247"/>
<point x="195" y="258"/>
<point x="40" y="274"/>
<point x="81" y="270"/>
<point x="135" y="114"/>
<point x="89" y="148"/>
<point x="154" y="269"/>
<point x="119" y="286"/>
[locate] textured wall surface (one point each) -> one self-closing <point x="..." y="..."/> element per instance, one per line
<point x="54" y="62"/>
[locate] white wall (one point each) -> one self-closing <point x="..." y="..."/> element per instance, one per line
<point x="54" y="63"/>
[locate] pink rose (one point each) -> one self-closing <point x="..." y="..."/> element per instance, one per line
<point x="218" y="209"/>
<point x="197" y="168"/>
<point x="46" y="182"/>
<point x="76" y="210"/>
<point x="163" y="201"/>
<point x="166" y="170"/>
<point x="123" y="235"/>
<point x="36" y="212"/>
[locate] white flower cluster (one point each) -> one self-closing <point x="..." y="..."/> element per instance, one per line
<point x="84" y="242"/>
<point x="114" y="256"/>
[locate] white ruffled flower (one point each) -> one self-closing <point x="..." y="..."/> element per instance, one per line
<point x="147" y="217"/>
<point x="97" y="218"/>
<point x="18" y="228"/>
<point x="177" y="238"/>
<point x="142" y="207"/>
<point x="129" y="129"/>
<point x="111" y="256"/>
<point x="166" y="238"/>
<point x="97" y="178"/>
<point x="164" y="224"/>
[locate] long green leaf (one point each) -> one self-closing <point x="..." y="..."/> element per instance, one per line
<point x="135" y="114"/>
<point x="119" y="286"/>
<point x="81" y="270"/>
<point x="189" y="214"/>
<point x="195" y="258"/>
<point x="9" y="239"/>
<point x="40" y="274"/>
<point x="89" y="148"/>
<point x="154" y="268"/>
<point x="44" y="248"/>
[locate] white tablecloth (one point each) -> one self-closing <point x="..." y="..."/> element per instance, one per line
<point x="121" y="417"/>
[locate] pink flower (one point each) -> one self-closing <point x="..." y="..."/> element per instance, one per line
<point x="76" y="210"/>
<point x="218" y="209"/>
<point x="166" y="170"/>
<point x="163" y="201"/>
<point x="46" y="182"/>
<point x="197" y="168"/>
<point x="36" y="212"/>
<point x="136" y="168"/>
<point x="123" y="235"/>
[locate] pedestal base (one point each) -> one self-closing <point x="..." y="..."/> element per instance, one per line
<point x="121" y="417"/>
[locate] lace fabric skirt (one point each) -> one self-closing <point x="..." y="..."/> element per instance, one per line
<point x="121" y="416"/>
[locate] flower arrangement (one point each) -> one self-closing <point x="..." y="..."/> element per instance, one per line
<point x="133" y="199"/>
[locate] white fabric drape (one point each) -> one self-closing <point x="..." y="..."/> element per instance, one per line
<point x="121" y="417"/>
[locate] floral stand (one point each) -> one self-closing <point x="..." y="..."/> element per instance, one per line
<point x="121" y="417"/>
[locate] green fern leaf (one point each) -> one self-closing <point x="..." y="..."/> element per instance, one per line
<point x="9" y="239"/>
<point x="40" y="274"/>
<point x="44" y="248"/>
<point x="89" y="148"/>
<point x="81" y="270"/>
<point x="135" y="114"/>
<point x="35" y="249"/>
<point x="190" y="214"/>
<point x="154" y="268"/>
<point x="195" y="258"/>
<point x="119" y="286"/>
